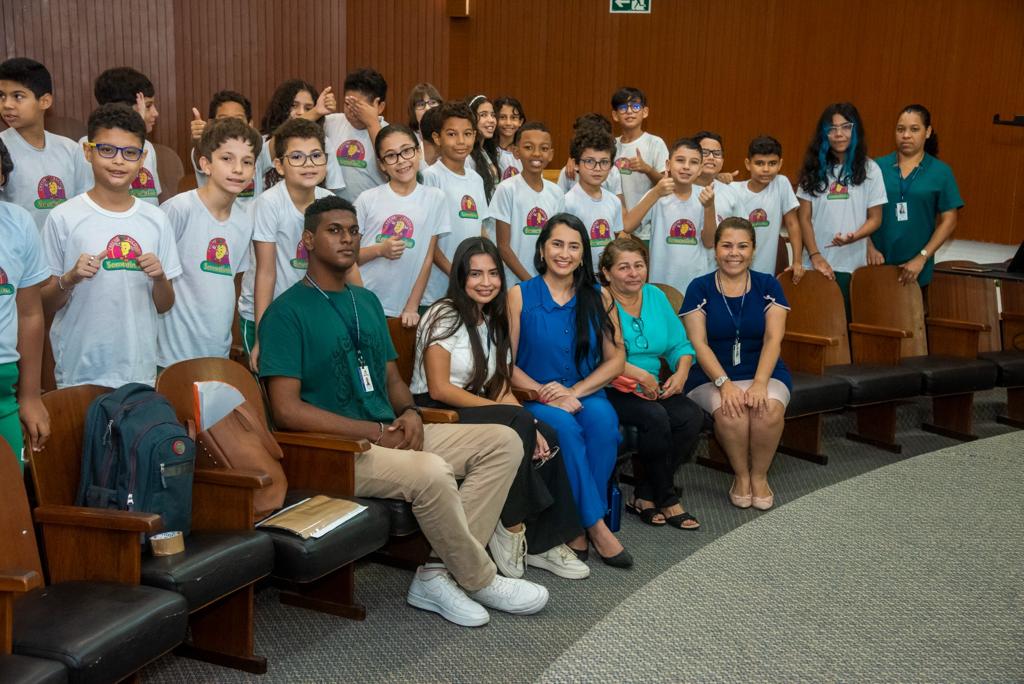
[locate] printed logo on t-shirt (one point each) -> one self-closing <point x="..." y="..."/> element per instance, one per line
<point x="301" y="260"/>
<point x="509" y="172"/>
<point x="758" y="218"/>
<point x="352" y="153"/>
<point x="536" y="219"/>
<point x="682" y="232"/>
<point x="600" y="233"/>
<point x="217" y="260"/>
<point x="468" y="208"/>
<point x="249" y="191"/>
<point x="5" y="287"/>
<point x="51" y="193"/>
<point x="838" y="191"/>
<point x="123" y="254"/>
<point x="144" y="184"/>
<point x="399" y="226"/>
<point x="622" y="163"/>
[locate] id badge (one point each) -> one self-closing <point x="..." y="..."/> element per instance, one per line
<point x="736" y="353"/>
<point x="364" y="377"/>
<point x="901" y="211"/>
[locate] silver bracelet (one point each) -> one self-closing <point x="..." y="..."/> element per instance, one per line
<point x="380" y="436"/>
<point x="60" y="284"/>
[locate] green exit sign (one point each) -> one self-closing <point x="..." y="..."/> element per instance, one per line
<point x="630" y="6"/>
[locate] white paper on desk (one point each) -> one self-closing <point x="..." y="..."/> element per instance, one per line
<point x="212" y="400"/>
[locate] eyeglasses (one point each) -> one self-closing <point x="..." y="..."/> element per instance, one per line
<point x="629" y="107"/>
<point x="107" y="151"/>
<point x="705" y="152"/>
<point x="541" y="461"/>
<point x="637" y="325"/>
<point x="841" y="128"/>
<point x="591" y="163"/>
<point x="391" y="158"/>
<point x="297" y="158"/>
<point x="422" y="105"/>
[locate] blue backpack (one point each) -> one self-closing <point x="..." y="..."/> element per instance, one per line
<point x="136" y="456"/>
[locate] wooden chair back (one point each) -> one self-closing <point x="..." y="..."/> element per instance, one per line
<point x="188" y="182"/>
<point x="1011" y="294"/>
<point x="877" y="298"/>
<point x="17" y="536"/>
<point x="675" y="297"/>
<point x="67" y="126"/>
<point x="781" y="255"/>
<point x="967" y="298"/>
<point x="56" y="470"/>
<point x="404" y="340"/>
<point x="175" y="383"/>
<point x="170" y="169"/>
<point x="816" y="308"/>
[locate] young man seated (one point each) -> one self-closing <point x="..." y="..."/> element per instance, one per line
<point x="330" y="367"/>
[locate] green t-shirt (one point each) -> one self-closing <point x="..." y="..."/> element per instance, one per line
<point x="932" y="191"/>
<point x="301" y="336"/>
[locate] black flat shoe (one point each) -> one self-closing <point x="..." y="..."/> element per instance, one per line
<point x="620" y="560"/>
<point x="582" y="555"/>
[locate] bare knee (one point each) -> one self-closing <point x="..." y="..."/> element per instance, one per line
<point x="728" y="426"/>
<point x="770" y="418"/>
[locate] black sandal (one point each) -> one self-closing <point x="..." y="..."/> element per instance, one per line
<point x="678" y="520"/>
<point x="646" y="514"/>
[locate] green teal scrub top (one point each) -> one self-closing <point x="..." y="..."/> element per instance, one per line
<point x="930" y="190"/>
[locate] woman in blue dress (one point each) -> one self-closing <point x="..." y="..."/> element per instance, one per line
<point x="735" y="319"/>
<point x="567" y="347"/>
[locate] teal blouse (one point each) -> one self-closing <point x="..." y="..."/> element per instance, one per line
<point x="656" y="334"/>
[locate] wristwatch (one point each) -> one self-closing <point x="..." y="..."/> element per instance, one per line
<point x="721" y="380"/>
<point x="924" y="253"/>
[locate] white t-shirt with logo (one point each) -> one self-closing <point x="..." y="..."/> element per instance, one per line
<point x="146" y="185"/>
<point x="21" y="265"/>
<point x="416" y="218"/>
<point x="106" y="332"/>
<point x="466" y="204"/>
<point x="677" y="253"/>
<point x="460" y="372"/>
<point x="725" y="200"/>
<point x="211" y="252"/>
<point x="508" y="165"/>
<point x="526" y="212"/>
<point x="635" y="184"/>
<point x="351" y="163"/>
<point x="765" y="211"/>
<point x="601" y="217"/>
<point x="843" y="209"/>
<point x="613" y="183"/>
<point x="276" y="219"/>
<point x="44" y="178"/>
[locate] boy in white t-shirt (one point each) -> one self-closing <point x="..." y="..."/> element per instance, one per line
<point x="613" y="179"/>
<point x="523" y="203"/>
<point x="713" y="156"/>
<point x="601" y="211"/>
<point x="49" y="169"/>
<point x="114" y="259"/>
<point x="22" y="274"/>
<point x="768" y="202"/>
<point x="639" y="156"/>
<point x="401" y="222"/>
<point x="226" y="104"/>
<point x="464" y="196"/>
<point x="124" y="85"/>
<point x="351" y="134"/>
<point x="212" y="234"/>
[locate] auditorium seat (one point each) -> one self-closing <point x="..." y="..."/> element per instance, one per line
<point x="17" y="669"/>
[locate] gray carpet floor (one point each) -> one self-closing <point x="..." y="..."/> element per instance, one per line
<point x="399" y="643"/>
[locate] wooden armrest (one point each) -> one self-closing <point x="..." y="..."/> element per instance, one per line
<point x="434" y="415"/>
<point x="18" y="580"/>
<point x="230" y="477"/>
<point x="79" y="516"/>
<point x="816" y="340"/>
<point x="523" y="394"/>
<point x="1013" y="316"/>
<point x="879" y="331"/>
<point x="319" y="440"/>
<point x="957" y="325"/>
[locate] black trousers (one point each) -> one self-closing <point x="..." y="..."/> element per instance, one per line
<point x="540" y="497"/>
<point x="669" y="429"/>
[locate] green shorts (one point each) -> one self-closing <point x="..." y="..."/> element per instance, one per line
<point x="248" y="329"/>
<point x="10" y="423"/>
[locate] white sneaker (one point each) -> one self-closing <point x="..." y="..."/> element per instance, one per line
<point x="516" y="596"/>
<point x="561" y="560"/>
<point x="508" y="549"/>
<point x="433" y="589"/>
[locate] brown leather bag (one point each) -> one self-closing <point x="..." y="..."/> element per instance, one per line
<point x="240" y="440"/>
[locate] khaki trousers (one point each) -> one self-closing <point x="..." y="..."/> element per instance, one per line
<point x="458" y="522"/>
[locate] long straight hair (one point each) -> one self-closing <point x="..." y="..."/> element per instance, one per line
<point x="820" y="158"/>
<point x="459" y="310"/>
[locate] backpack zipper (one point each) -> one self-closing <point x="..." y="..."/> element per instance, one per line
<point x="133" y="454"/>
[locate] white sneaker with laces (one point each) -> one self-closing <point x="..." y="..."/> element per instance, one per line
<point x="508" y="549"/>
<point x="516" y="596"/>
<point x="560" y="560"/>
<point x="434" y="589"/>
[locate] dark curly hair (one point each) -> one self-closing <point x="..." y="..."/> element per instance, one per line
<point x="280" y="106"/>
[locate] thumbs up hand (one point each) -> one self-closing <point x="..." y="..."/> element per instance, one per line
<point x="197" y="125"/>
<point x="326" y="103"/>
<point x="638" y="164"/>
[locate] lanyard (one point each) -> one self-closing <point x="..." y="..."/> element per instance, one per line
<point x="736" y="322"/>
<point x="905" y="183"/>
<point x="355" y="312"/>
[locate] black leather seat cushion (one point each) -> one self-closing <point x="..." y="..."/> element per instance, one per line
<point x="16" y="669"/>
<point x="304" y="560"/>
<point x="942" y="375"/>
<point x="212" y="565"/>
<point x="870" y="384"/>
<point x="816" y="394"/>
<point x="1010" y="365"/>
<point x="101" y="631"/>
<point x="401" y="521"/>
